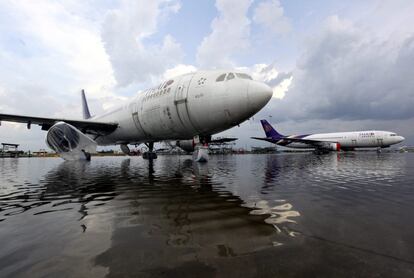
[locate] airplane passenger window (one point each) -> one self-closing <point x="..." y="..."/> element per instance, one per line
<point x="230" y="76"/>
<point x="244" y="76"/>
<point x="221" y="77"/>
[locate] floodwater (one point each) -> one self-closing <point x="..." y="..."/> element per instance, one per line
<point x="278" y="215"/>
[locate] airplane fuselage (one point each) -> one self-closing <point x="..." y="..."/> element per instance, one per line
<point x="350" y="140"/>
<point x="198" y="103"/>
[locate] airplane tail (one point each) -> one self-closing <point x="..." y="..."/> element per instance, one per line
<point x="270" y="131"/>
<point x="85" y="108"/>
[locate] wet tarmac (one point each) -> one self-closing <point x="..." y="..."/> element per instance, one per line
<point x="278" y="215"/>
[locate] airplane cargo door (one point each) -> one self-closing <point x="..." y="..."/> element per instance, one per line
<point x="180" y="102"/>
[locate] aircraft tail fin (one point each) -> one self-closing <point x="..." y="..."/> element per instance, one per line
<point x="85" y="108"/>
<point x="270" y="131"/>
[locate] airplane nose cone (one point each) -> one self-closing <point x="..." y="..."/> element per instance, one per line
<point x="259" y="95"/>
<point x="401" y="139"/>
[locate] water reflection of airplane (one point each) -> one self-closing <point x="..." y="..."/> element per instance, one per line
<point x="68" y="184"/>
<point x="285" y="168"/>
<point x="187" y="215"/>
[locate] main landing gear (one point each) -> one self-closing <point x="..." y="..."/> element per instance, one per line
<point x="150" y="154"/>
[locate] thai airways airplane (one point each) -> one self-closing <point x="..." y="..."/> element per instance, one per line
<point x="325" y="142"/>
<point x="189" y="108"/>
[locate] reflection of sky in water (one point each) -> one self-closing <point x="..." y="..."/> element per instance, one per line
<point x="173" y="210"/>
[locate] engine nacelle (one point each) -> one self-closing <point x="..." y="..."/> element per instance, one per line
<point x="69" y="142"/>
<point x="186" y="145"/>
<point x="330" y="146"/>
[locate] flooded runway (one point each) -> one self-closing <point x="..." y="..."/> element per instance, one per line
<point x="279" y="215"/>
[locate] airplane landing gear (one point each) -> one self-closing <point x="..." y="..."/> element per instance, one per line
<point x="150" y="154"/>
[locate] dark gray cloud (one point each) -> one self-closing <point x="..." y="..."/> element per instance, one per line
<point x="346" y="73"/>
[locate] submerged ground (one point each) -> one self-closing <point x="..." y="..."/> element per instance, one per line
<point x="279" y="215"/>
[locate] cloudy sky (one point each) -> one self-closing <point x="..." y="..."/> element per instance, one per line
<point x="333" y="65"/>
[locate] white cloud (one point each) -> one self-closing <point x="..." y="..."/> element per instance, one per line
<point x="229" y="36"/>
<point x="55" y="44"/>
<point x="270" y="15"/>
<point x="279" y="91"/>
<point x="263" y="72"/>
<point x="124" y="33"/>
<point x="48" y="53"/>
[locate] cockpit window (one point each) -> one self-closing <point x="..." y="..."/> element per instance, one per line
<point x="230" y="76"/>
<point x="244" y="76"/>
<point x="393" y="134"/>
<point x="221" y="77"/>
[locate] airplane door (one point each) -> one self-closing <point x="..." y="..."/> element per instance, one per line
<point x="135" y="117"/>
<point x="180" y="102"/>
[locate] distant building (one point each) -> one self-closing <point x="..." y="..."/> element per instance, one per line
<point x="10" y="150"/>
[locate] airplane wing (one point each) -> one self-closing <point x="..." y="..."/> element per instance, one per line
<point x="86" y="126"/>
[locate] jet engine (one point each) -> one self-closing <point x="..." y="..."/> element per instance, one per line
<point x="186" y="145"/>
<point x="69" y="142"/>
<point x="330" y="146"/>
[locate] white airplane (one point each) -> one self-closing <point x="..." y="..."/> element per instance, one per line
<point x="325" y="142"/>
<point x="189" y="108"/>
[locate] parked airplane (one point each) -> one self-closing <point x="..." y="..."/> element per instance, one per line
<point x="325" y="142"/>
<point x="190" y="107"/>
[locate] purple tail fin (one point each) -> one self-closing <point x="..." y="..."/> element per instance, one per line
<point x="270" y="131"/>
